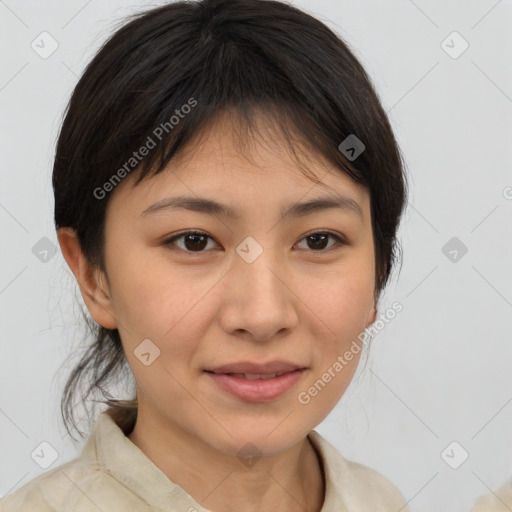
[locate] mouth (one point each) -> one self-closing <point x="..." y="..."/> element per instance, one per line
<point x="252" y="376"/>
<point x="252" y="368"/>
<point x="256" y="383"/>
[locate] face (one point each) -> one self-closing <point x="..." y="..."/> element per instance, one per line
<point x="226" y="300"/>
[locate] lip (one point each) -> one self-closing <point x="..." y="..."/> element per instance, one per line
<point x="228" y="378"/>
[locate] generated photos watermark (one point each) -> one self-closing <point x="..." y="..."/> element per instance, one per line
<point x="150" y="143"/>
<point x="304" y="397"/>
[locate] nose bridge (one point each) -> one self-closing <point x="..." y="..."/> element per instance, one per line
<point x="260" y="275"/>
<point x="257" y="267"/>
<point x="259" y="300"/>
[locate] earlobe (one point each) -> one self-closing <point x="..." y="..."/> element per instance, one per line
<point x="90" y="279"/>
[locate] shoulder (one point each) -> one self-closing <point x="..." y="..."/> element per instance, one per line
<point x="87" y="483"/>
<point x="46" y="492"/>
<point x="375" y="488"/>
<point x="359" y="487"/>
<point x="78" y="486"/>
<point x="499" y="502"/>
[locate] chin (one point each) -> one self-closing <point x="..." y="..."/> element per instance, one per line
<point x="254" y="438"/>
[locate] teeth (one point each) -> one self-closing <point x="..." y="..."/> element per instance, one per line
<point x="254" y="376"/>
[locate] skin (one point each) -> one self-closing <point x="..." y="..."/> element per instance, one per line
<point x="298" y="301"/>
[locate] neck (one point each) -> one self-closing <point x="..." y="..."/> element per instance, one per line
<point x="291" y="481"/>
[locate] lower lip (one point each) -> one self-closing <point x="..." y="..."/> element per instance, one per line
<point x="258" y="390"/>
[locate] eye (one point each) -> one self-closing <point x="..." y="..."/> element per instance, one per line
<point x="192" y="241"/>
<point x="318" y="240"/>
<point x="197" y="241"/>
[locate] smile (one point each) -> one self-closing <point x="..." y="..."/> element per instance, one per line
<point x="256" y="387"/>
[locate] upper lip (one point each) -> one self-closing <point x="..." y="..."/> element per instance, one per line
<point x="256" y="368"/>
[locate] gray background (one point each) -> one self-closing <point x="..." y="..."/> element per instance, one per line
<point x="439" y="372"/>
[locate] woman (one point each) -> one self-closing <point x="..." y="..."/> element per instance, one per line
<point x="227" y="194"/>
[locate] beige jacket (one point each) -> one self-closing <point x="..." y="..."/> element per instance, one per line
<point x="113" y="475"/>
<point x="499" y="502"/>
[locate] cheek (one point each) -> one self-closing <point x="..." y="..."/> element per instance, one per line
<point x="339" y="313"/>
<point x="339" y="304"/>
<point x="153" y="301"/>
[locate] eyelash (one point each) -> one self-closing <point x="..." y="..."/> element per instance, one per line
<point x="340" y="241"/>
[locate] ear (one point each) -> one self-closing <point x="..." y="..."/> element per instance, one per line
<point x="91" y="280"/>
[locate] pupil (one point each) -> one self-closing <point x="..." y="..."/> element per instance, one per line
<point x="198" y="241"/>
<point x="319" y="236"/>
<point x="195" y="245"/>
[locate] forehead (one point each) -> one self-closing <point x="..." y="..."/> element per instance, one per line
<point x="226" y="160"/>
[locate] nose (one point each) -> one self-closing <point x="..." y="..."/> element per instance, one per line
<point x="258" y="299"/>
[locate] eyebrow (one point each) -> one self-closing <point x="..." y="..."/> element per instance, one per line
<point x="211" y="207"/>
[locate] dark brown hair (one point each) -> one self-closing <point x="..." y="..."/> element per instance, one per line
<point x="242" y="56"/>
